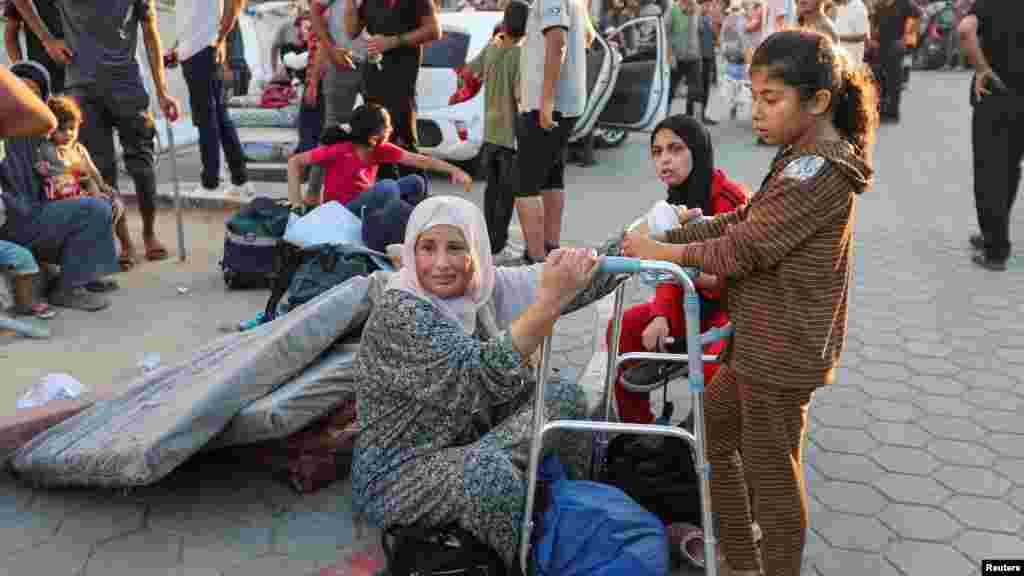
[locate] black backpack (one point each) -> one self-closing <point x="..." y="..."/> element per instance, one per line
<point x="658" y="472"/>
<point x="448" y="551"/>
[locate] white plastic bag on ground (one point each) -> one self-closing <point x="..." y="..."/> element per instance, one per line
<point x="330" y="223"/>
<point x="52" y="387"/>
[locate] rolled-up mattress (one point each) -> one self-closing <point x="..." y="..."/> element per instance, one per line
<point x="170" y="414"/>
<point x="324" y="386"/>
<point x="286" y="117"/>
<point x="268" y="151"/>
<point x="246" y="101"/>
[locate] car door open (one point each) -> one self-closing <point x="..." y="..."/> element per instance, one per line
<point x="602" y="68"/>
<point x="639" y="96"/>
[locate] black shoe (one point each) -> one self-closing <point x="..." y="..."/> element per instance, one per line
<point x="709" y="121"/>
<point x="977" y="241"/>
<point x="648" y="373"/>
<point x="989" y="263"/>
<point x="889" y="118"/>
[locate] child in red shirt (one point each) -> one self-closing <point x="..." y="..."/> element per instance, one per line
<point x="683" y="156"/>
<point x="350" y="159"/>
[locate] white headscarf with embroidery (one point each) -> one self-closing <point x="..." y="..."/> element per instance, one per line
<point x="466" y="216"/>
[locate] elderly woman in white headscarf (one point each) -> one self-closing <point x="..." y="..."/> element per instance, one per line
<point x="445" y="408"/>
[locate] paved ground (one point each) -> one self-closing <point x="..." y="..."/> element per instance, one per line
<point x="916" y="455"/>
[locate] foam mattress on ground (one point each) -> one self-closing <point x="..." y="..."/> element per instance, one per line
<point x="326" y="384"/>
<point x="171" y="413"/>
<point x="286" y="117"/>
<point x="268" y="151"/>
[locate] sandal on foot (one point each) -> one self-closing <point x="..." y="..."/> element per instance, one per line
<point x="79" y="298"/>
<point x="40" y="310"/>
<point x="156" y="253"/>
<point x="126" y="263"/>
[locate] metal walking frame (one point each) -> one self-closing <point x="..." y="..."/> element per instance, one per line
<point x="695" y="342"/>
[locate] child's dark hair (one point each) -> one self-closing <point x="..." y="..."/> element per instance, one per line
<point x="367" y="121"/>
<point x="515" y="18"/>
<point x="66" y="110"/>
<point x="809" y="62"/>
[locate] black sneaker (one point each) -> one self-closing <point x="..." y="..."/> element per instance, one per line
<point x="989" y="263"/>
<point x="977" y="241"/>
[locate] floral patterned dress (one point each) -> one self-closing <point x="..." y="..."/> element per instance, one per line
<point x="446" y="417"/>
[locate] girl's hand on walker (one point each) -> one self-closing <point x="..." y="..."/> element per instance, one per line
<point x="637" y="245"/>
<point x="460" y="177"/>
<point x="655" y="332"/>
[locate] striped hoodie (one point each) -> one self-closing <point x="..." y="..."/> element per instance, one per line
<point x="787" y="258"/>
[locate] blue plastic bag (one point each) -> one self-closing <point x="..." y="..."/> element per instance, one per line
<point x="595" y="529"/>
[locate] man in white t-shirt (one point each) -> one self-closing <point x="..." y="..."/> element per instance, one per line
<point x="853" y="27"/>
<point x="553" y="82"/>
<point x="203" y="30"/>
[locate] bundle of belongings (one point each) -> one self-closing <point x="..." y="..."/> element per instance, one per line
<point x="262" y="386"/>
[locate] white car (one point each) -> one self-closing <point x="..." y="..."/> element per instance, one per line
<point x="624" y="94"/>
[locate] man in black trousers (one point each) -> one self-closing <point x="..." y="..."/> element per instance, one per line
<point x="998" y="123"/>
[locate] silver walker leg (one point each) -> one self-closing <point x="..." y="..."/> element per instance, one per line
<point x="536" y="446"/>
<point x="177" y="190"/>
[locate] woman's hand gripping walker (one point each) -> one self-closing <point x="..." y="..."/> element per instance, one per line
<point x="694" y="357"/>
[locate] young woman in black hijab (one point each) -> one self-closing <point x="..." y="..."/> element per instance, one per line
<point x="683" y="158"/>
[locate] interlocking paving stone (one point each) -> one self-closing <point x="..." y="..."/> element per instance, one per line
<point x="844" y="440"/>
<point x="850" y="498"/>
<point x="273" y="566"/>
<point x="848" y="561"/>
<point x="20" y="529"/>
<point x="925" y="348"/>
<point x="974" y="481"/>
<point x="994" y="400"/>
<point x="987" y="514"/>
<point x="1017" y="498"/>
<point x="899" y="434"/>
<point x="60" y="556"/>
<point x="227" y="547"/>
<point x="928" y="559"/>
<point x="882" y="354"/>
<point x="849" y="467"/>
<point x="879" y="371"/>
<point x="920" y="522"/>
<point x="951" y="428"/>
<point x="943" y="405"/>
<point x="912" y="489"/>
<point x="999" y="421"/>
<point x="137" y="554"/>
<point x="861" y="533"/>
<point x="839" y="395"/>
<point x="989" y="380"/>
<point x="1011" y="445"/>
<point x="932" y="366"/>
<point x="905" y="460"/>
<point x="939" y="385"/>
<point x="890" y="411"/>
<point x="1013" y="469"/>
<point x="313" y="536"/>
<point x="1012" y="355"/>
<point x="886" y="390"/>
<point x="979" y="545"/>
<point x="962" y="453"/>
<point x="840" y="416"/>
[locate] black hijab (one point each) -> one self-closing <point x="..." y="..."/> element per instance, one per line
<point x="695" y="191"/>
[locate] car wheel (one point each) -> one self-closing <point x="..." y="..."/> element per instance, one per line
<point x="605" y="137"/>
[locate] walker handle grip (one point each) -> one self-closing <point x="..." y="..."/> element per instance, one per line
<point x="620" y="265"/>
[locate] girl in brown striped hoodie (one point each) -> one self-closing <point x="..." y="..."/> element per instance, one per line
<point x="787" y="258"/>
